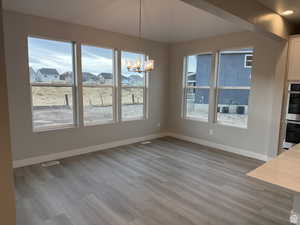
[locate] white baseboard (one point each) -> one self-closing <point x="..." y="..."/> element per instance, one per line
<point x="80" y="151"/>
<point x="226" y="148"/>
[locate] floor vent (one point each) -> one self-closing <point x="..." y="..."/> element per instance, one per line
<point x="50" y="163"/>
<point x="146" y="142"/>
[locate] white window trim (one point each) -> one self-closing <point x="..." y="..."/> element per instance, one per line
<point x="213" y="94"/>
<point x="218" y="88"/>
<point x="185" y="87"/>
<point x="113" y="86"/>
<point x="77" y="87"/>
<point x="145" y="88"/>
<point x="37" y="84"/>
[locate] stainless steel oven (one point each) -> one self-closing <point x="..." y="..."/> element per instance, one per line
<point x="293" y="106"/>
<point x="292" y="122"/>
<point x="292" y="135"/>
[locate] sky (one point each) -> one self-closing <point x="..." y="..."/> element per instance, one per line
<point x="56" y="54"/>
<point x="96" y="60"/>
<point x="50" y="54"/>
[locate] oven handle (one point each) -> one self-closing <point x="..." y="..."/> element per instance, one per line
<point x="293" y="122"/>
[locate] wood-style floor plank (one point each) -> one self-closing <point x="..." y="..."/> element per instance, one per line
<point x="166" y="182"/>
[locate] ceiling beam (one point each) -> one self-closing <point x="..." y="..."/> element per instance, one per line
<point x="249" y="14"/>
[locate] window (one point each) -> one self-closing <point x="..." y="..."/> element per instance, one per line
<point x="133" y="89"/>
<point x="98" y="84"/>
<point x="233" y="88"/>
<point x="225" y="83"/>
<point x="108" y="93"/>
<point x="248" y="61"/>
<point x="197" y="86"/>
<point x="52" y="83"/>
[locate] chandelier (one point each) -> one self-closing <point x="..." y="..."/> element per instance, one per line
<point x="139" y="65"/>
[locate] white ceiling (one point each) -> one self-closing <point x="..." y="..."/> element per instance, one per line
<point x="163" y="20"/>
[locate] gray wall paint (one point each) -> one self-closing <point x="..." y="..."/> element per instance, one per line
<point x="265" y="77"/>
<point x="25" y="143"/>
<point x="165" y="90"/>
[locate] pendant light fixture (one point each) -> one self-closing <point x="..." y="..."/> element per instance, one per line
<point x="138" y="65"/>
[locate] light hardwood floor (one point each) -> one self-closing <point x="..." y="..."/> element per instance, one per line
<point x="167" y="182"/>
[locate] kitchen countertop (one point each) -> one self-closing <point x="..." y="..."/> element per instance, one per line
<point x="284" y="170"/>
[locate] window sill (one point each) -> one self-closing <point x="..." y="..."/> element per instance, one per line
<point x="99" y="123"/>
<point x="134" y="119"/>
<point x="53" y="128"/>
<point x="230" y="125"/>
<point x="195" y="119"/>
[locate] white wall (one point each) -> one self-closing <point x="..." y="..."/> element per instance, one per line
<point x="265" y="100"/>
<point x="27" y="144"/>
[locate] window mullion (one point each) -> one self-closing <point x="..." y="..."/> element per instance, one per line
<point x="145" y="107"/>
<point x="118" y="85"/>
<point x="78" y="85"/>
<point x="213" y="89"/>
<point x="184" y="88"/>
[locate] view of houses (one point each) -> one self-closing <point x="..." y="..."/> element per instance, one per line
<point x="51" y="75"/>
<point x="97" y="102"/>
<point x="233" y="85"/>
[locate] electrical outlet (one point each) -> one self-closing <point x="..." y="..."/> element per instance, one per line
<point x="211" y="131"/>
<point x="158" y="124"/>
<point x="293" y="218"/>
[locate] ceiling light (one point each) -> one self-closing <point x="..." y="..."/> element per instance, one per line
<point x="287" y="12"/>
<point x="139" y="65"/>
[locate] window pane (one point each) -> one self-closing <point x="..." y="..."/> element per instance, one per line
<point x="235" y="76"/>
<point x="50" y="61"/>
<point x="199" y="70"/>
<point x="52" y="106"/>
<point x="233" y="107"/>
<point x="232" y="70"/>
<point x="97" y="103"/>
<point x="97" y="65"/>
<point x="132" y="103"/>
<point x="197" y="103"/>
<point x="132" y="78"/>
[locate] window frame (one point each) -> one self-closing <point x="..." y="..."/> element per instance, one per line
<point x="72" y="85"/>
<point x="218" y="88"/>
<point x="185" y="87"/>
<point x="145" y="88"/>
<point x="214" y="88"/>
<point x="113" y="86"/>
<point x="77" y="85"/>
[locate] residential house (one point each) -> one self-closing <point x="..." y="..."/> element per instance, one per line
<point x="89" y="78"/>
<point x="234" y="71"/>
<point x="48" y="75"/>
<point x="33" y="75"/>
<point x="136" y="80"/>
<point x="106" y="78"/>
<point x="67" y="77"/>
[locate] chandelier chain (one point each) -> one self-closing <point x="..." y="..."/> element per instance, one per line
<point x="138" y="66"/>
<point x="140" y="20"/>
